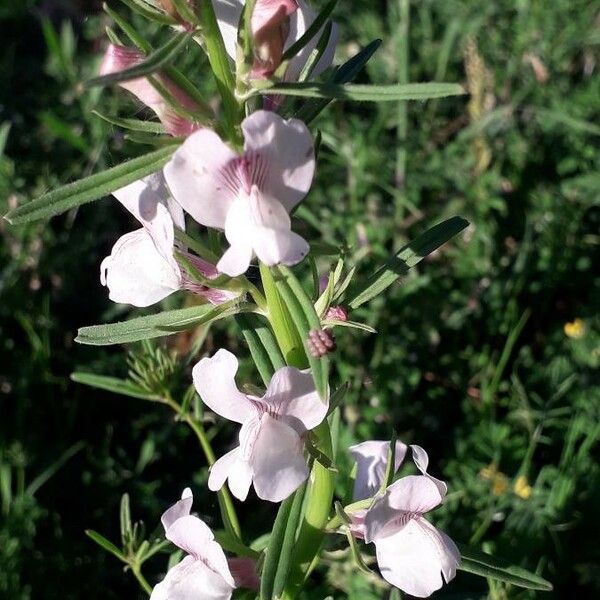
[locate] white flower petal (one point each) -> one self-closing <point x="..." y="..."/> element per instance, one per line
<point x="277" y="461"/>
<point x="214" y="379"/>
<point x="414" y="558"/>
<point x="137" y="273"/>
<point x="195" y="177"/>
<point x="293" y="395"/>
<point x="421" y="460"/>
<point x="236" y="260"/>
<point x="178" y="510"/>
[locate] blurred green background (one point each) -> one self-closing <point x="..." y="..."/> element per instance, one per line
<point x="487" y="355"/>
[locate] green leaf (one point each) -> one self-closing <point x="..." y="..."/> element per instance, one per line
<point x="409" y="256"/>
<point x="232" y="544"/>
<point x="90" y="188"/>
<point x="155" y="61"/>
<point x="305" y="319"/>
<point x="133" y="124"/>
<point x="366" y="93"/>
<point x="113" y="384"/>
<point x="311" y="32"/>
<point x="345" y="73"/>
<point x="479" y="563"/>
<point x="262" y="345"/>
<point x="148" y="11"/>
<point x="105" y="544"/>
<point x="289" y="540"/>
<point x="153" y="326"/>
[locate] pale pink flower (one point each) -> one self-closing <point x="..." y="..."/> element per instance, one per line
<point x="411" y="553"/>
<point x="276" y="25"/>
<point x="204" y="573"/>
<point x="250" y="195"/>
<point x="118" y="58"/>
<point x="141" y="269"/>
<point x="271" y="450"/>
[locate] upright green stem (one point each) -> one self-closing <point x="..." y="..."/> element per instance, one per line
<point x="228" y="512"/>
<point x="137" y="572"/>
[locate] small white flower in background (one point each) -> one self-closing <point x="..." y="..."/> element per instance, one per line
<point x="141" y="269"/>
<point x="271" y="450"/>
<point x="411" y="553"/>
<point x="204" y="573"/>
<point x="250" y="195"/>
<point x="119" y="58"/>
<point x="276" y="25"/>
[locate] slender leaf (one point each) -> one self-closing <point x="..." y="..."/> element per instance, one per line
<point x="147" y="10"/>
<point x="289" y="540"/>
<point x="90" y="188"/>
<point x="153" y="326"/>
<point x="479" y="563"/>
<point x="345" y="73"/>
<point x="306" y="319"/>
<point x="155" y="61"/>
<point x="133" y="124"/>
<point x="409" y="256"/>
<point x="311" y="32"/>
<point x="113" y="384"/>
<point x="105" y="544"/>
<point x="269" y="571"/>
<point x="365" y="93"/>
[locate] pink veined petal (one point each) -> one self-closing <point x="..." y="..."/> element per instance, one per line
<point x="190" y="580"/>
<point x="198" y="180"/>
<point x="287" y="152"/>
<point x="118" y="58"/>
<point x="214" y="379"/>
<point x="357" y="523"/>
<point x="421" y="460"/>
<point x="268" y="13"/>
<point x="414" y="558"/>
<point x="409" y="496"/>
<point x="293" y="396"/>
<point x="180" y="509"/>
<point x="278" y="463"/>
<point x="236" y="260"/>
<point x="371" y="461"/>
<point x="137" y="273"/>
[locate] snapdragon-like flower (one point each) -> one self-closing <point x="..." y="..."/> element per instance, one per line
<point x="141" y="269"/>
<point x="204" y="573"/>
<point x="271" y="450"/>
<point x="411" y="553"/>
<point x="250" y="195"/>
<point x="276" y="25"/>
<point x="118" y="58"/>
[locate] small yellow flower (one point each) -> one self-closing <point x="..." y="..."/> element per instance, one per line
<point x="575" y="329"/>
<point x="499" y="484"/>
<point x="522" y="488"/>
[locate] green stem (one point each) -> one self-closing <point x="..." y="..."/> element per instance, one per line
<point x="137" y="572"/>
<point x="228" y="512"/>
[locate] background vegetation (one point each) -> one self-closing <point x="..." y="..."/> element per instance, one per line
<point x="487" y="355"/>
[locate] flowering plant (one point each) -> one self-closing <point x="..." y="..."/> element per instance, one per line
<point x="239" y="170"/>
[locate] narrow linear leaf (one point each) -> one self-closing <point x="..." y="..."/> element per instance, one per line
<point x="132" y="124"/>
<point x="479" y="563"/>
<point x="311" y="32"/>
<point x="113" y="384"/>
<point x="366" y="93"/>
<point x="148" y="11"/>
<point x="409" y="256"/>
<point x="158" y="59"/>
<point x="105" y="544"/>
<point x="153" y="326"/>
<point x="289" y="541"/>
<point x="345" y="73"/>
<point x="90" y="188"/>
<point x="305" y="318"/>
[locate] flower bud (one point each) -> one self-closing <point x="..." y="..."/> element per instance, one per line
<point x="320" y="343"/>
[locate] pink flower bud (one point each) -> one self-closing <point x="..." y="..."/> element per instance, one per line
<point x="118" y="58"/>
<point x="270" y="27"/>
<point x="244" y="572"/>
<point x="337" y="313"/>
